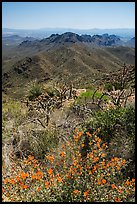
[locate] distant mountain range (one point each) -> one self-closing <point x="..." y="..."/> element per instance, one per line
<point x="15" y="39"/>
<point x="124" y="33"/>
<point x="69" y="37"/>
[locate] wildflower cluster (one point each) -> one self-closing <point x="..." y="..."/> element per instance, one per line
<point x="79" y="172"/>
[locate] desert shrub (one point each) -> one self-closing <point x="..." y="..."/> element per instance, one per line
<point x="89" y="87"/>
<point x="35" y="91"/>
<point x="36" y="142"/>
<point x="108" y="86"/>
<point x="87" y="96"/>
<point x="68" y="175"/>
<point x="11" y="109"/>
<point x="52" y="91"/>
<point x="13" y="115"/>
<point x="116" y="84"/>
<point x="109" y="120"/>
<point x="41" y="142"/>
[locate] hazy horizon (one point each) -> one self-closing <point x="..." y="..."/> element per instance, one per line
<point x="69" y="28"/>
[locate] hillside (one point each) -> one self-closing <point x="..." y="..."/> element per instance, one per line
<point x="75" y="63"/>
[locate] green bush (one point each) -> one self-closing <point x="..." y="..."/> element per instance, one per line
<point x="108" y="86"/>
<point x="88" y="96"/>
<point x="111" y="120"/>
<point x="52" y="91"/>
<point x="35" y="91"/>
<point x="40" y="142"/>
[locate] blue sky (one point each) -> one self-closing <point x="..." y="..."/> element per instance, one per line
<point x="83" y="15"/>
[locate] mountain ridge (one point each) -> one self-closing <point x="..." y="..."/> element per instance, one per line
<point x="69" y="37"/>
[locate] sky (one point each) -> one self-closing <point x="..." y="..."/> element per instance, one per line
<point x="78" y="15"/>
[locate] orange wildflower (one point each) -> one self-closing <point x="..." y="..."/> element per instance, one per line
<point x="116" y="158"/>
<point x="133" y="180"/>
<point x="118" y="168"/>
<point x="104" y="181"/>
<point x="98" y="145"/>
<point x="80" y="168"/>
<point x="108" y="164"/>
<point x="50" y="158"/>
<point x="102" y="155"/>
<point x="38" y="189"/>
<point x="94" y="168"/>
<point x="90" y="143"/>
<point x="91" y="155"/>
<point x="82" y="145"/>
<point x="12" y="181"/>
<point x="89" y="172"/>
<point x="30" y="157"/>
<point x="21" y="183"/>
<point x="50" y="171"/>
<point x="103" y="163"/>
<point x="59" y="179"/>
<point x="17" y="178"/>
<point x="127" y="182"/>
<point x="112" y="159"/>
<point x="120" y="191"/>
<point x="27" y="174"/>
<point x="6" y="180"/>
<point x="33" y="177"/>
<point x="88" y="134"/>
<point x="25" y="186"/>
<point x="76" y="191"/>
<point x="39" y="173"/>
<point x="113" y="186"/>
<point x="62" y="154"/>
<point x="35" y="161"/>
<point x="96" y="159"/>
<point x="47" y="184"/>
<point x="123" y="162"/>
<point x="86" y="193"/>
<point x="75" y="163"/>
<point x="80" y="134"/>
<point x="68" y="176"/>
<point x="99" y="182"/>
<point x="23" y="175"/>
<point x="117" y="199"/>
